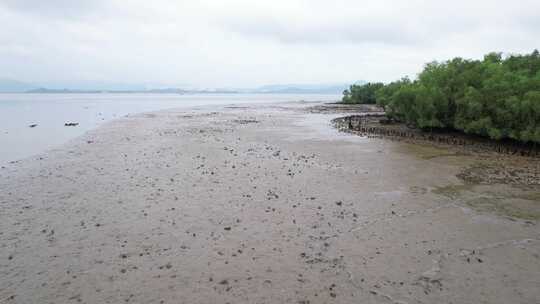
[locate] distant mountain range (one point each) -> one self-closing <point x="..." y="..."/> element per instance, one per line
<point x="302" y="88"/>
<point x="150" y="91"/>
<point x="14" y="86"/>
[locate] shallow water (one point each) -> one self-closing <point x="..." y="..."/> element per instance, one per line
<point x="51" y="111"/>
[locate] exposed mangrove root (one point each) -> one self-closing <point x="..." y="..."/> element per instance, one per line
<point x="377" y="126"/>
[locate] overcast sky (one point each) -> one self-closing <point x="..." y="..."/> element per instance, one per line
<point x="245" y="43"/>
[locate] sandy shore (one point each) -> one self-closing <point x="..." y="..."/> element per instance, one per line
<point x="262" y="204"/>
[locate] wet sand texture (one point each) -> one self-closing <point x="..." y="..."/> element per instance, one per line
<point x="256" y="205"/>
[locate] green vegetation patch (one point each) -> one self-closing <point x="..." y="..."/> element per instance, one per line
<point x="362" y="94"/>
<point x="431" y="152"/>
<point x="503" y="200"/>
<point x="452" y="191"/>
<point x="508" y="206"/>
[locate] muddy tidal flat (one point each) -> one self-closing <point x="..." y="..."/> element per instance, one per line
<point x="264" y="204"/>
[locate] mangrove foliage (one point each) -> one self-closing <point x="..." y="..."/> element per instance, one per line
<point x="497" y="97"/>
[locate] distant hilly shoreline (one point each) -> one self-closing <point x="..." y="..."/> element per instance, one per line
<point x="14" y="86"/>
<point x="152" y="91"/>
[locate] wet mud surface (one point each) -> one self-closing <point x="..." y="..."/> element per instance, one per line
<point x="260" y="205"/>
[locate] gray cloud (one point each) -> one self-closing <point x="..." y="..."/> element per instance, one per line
<point x="54" y="8"/>
<point x="356" y="32"/>
<point x="244" y="42"/>
<point x="385" y="22"/>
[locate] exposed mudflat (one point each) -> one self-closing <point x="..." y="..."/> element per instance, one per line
<point x="262" y="204"/>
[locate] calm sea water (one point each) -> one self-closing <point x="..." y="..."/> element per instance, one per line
<point x="51" y="111"/>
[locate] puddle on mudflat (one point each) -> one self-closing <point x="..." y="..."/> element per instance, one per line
<point x="319" y="127"/>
